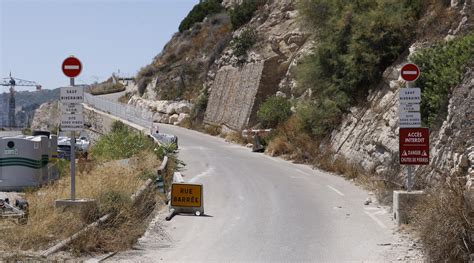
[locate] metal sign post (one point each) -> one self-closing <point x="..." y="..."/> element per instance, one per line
<point x="414" y="141"/>
<point x="72" y="121"/>
<point x="73" y="157"/>
<point x="409" y="177"/>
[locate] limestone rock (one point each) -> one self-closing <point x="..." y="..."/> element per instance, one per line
<point x="173" y="118"/>
<point x="182" y="117"/>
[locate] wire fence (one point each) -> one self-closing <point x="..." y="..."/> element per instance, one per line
<point x="140" y="116"/>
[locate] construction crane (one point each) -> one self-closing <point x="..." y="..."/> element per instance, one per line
<point x="12" y="83"/>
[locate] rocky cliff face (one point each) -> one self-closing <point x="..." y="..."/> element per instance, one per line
<point x="46" y="117"/>
<point x="237" y="88"/>
<point x="452" y="149"/>
<point x="202" y="60"/>
<point x="237" y="85"/>
<point x="368" y="135"/>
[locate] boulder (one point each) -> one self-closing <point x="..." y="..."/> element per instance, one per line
<point x="182" y="117"/>
<point x="161" y="105"/>
<point x="171" y="109"/>
<point x="157" y="117"/>
<point x="183" y="107"/>
<point x="165" y="118"/>
<point x="173" y="118"/>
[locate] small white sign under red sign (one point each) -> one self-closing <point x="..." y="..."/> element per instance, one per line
<point x="410" y="95"/>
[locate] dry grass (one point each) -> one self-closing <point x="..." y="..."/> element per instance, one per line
<point x="279" y="146"/>
<point x="290" y="141"/>
<point x="236" y="137"/>
<point x="213" y="130"/>
<point x="443" y="224"/>
<point x="106" y="88"/>
<point x="111" y="185"/>
<point x="124" y="98"/>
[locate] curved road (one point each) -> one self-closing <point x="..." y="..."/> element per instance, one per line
<point x="261" y="208"/>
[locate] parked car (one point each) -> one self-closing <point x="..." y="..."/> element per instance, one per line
<point x="166" y="138"/>
<point x="64" y="147"/>
<point x="64" y="152"/>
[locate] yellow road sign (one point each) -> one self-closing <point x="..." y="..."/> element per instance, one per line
<point x="186" y="195"/>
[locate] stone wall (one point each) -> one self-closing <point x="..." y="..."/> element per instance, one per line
<point x="99" y="124"/>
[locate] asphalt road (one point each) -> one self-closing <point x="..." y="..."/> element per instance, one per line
<point x="260" y="208"/>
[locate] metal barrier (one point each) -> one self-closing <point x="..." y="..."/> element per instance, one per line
<point x="142" y="117"/>
<point x="260" y="132"/>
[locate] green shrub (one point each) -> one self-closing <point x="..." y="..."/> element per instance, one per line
<point x="200" y="106"/>
<point x="121" y="143"/>
<point x="241" y="14"/>
<point x="274" y="111"/>
<point x="244" y="42"/>
<point x="441" y="69"/>
<point x="118" y="126"/>
<point x="199" y="12"/>
<point x="319" y="117"/>
<point x="359" y="39"/>
<point x="145" y="76"/>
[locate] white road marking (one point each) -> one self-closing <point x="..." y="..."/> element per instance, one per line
<point x="371" y="208"/>
<point x="301" y="172"/>
<point x="380" y="223"/>
<point x="193" y="148"/>
<point x="335" y="190"/>
<point x="203" y="174"/>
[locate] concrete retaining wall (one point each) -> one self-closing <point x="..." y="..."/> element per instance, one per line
<point x="233" y="94"/>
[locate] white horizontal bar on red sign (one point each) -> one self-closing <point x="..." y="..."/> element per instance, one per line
<point x="71" y="67"/>
<point x="410" y="72"/>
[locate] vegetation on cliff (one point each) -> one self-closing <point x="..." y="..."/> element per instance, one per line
<point x="244" y="42"/>
<point x="243" y="13"/>
<point x="106" y="88"/>
<point x="273" y="111"/>
<point x="199" y="12"/>
<point x="182" y="66"/>
<point x="442" y="67"/>
<point x="359" y="39"/>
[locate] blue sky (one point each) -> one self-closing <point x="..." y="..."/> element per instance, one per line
<point x="106" y="35"/>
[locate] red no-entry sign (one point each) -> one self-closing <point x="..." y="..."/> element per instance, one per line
<point x="414" y="146"/>
<point x="410" y="72"/>
<point x="72" y="67"/>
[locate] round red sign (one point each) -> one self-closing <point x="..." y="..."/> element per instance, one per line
<point x="410" y="72"/>
<point x="72" y="67"/>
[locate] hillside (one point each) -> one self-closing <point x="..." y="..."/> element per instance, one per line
<point x="26" y="104"/>
<point x="325" y="75"/>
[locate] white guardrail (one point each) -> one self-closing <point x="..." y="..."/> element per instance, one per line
<point x="142" y="117"/>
